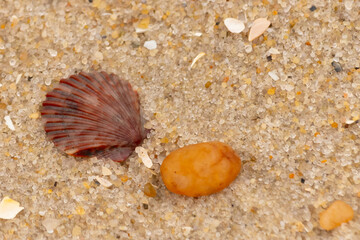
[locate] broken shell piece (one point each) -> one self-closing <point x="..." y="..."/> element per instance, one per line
<point x="259" y="27"/>
<point x="200" y="55"/>
<point x="274" y="51"/>
<point x="195" y="34"/>
<point x="9" y="208"/>
<point x="18" y="78"/>
<point x="103" y="181"/>
<point x="9" y="123"/>
<point x="273" y="75"/>
<point x="143" y="155"/>
<point x="234" y="25"/>
<point x="350" y="121"/>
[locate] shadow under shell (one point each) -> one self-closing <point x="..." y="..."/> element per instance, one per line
<point x="94" y="114"/>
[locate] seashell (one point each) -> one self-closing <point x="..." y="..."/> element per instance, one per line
<point x="94" y="114"/>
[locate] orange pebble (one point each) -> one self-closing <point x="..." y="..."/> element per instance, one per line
<point x="200" y="169"/>
<point x="339" y="212"/>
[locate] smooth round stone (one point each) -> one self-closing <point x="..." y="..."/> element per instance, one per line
<point x="200" y="169"/>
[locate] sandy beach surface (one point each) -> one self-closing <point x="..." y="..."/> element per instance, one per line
<point x="287" y="102"/>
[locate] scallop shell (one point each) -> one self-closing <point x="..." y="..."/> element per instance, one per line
<point x="94" y="114"/>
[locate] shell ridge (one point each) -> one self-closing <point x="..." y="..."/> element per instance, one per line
<point x="58" y="111"/>
<point x="92" y="92"/>
<point x="123" y="102"/>
<point x="71" y="125"/>
<point x="83" y="132"/>
<point x="116" y="154"/>
<point x="108" y="99"/>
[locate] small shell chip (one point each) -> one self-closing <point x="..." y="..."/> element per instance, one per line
<point x="103" y="181"/>
<point x="200" y="55"/>
<point x="143" y="155"/>
<point x="9" y="208"/>
<point x="105" y="171"/>
<point x="9" y="123"/>
<point x="234" y="25"/>
<point x="259" y="27"/>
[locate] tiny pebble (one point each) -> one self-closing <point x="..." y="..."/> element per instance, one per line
<point x="9" y="123"/>
<point x="248" y="49"/>
<point x="339" y="212"/>
<point x="12" y="62"/>
<point x="76" y="231"/>
<point x="150" y="44"/>
<point x="99" y="56"/>
<point x="50" y="224"/>
<point x="186" y="230"/>
<point x="269" y="58"/>
<point x="234" y="25"/>
<point x="105" y="171"/>
<point x="313" y="8"/>
<point x="259" y="27"/>
<point x="42" y="213"/>
<point x="349" y="4"/>
<point x="35" y="115"/>
<point x="52" y="52"/>
<point x="123" y="228"/>
<point x="336" y="66"/>
<point x="149" y="190"/>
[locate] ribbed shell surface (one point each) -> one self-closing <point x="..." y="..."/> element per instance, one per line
<point x="94" y="114"/>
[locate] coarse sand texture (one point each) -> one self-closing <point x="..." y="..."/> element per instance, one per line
<point x="278" y="81"/>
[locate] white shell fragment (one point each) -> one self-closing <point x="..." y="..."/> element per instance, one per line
<point x="273" y="75"/>
<point x="234" y="25"/>
<point x="200" y="55"/>
<point x="9" y="208"/>
<point x="140" y="30"/>
<point x="103" y="181"/>
<point x="195" y="34"/>
<point x="259" y="27"/>
<point x="143" y="155"/>
<point x="274" y="51"/>
<point x="9" y="123"/>
<point x="18" y="78"/>
<point x="105" y="171"/>
<point x="150" y="44"/>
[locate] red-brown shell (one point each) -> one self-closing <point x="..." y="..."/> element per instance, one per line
<point x="94" y="114"/>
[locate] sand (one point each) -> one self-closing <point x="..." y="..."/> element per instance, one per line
<point x="287" y="102"/>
